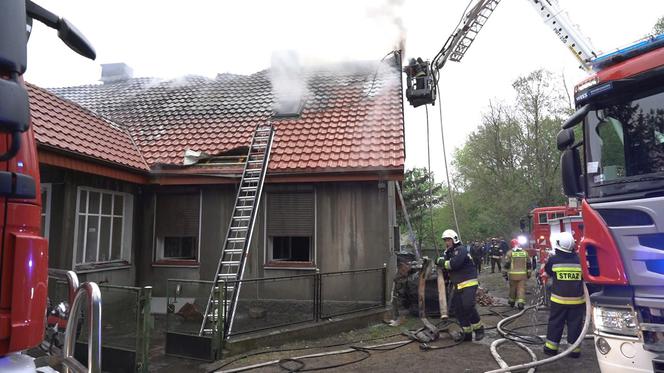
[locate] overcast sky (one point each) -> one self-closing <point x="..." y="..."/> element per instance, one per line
<point x="174" y="38"/>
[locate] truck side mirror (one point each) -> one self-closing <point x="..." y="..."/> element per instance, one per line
<point x="565" y="138"/>
<point x="570" y="166"/>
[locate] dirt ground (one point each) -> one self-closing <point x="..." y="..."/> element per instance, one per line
<point x="465" y="357"/>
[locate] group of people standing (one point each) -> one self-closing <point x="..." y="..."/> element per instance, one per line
<point x="490" y="251"/>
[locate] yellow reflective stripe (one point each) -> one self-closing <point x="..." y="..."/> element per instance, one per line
<point x="567" y="269"/>
<point x="551" y="346"/>
<point x="447" y="264"/>
<point x="567" y="300"/>
<point x="519" y="254"/>
<point x="476" y="326"/>
<point x="467" y="283"/>
<point x="578" y="349"/>
<point x="467" y="329"/>
<point x="518" y="272"/>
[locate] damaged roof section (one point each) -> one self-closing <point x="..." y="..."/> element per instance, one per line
<point x="351" y="117"/>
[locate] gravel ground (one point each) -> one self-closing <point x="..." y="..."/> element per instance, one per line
<point x="465" y="357"/>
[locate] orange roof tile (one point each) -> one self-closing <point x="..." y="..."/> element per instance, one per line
<point x="352" y="118"/>
<point x="62" y="124"/>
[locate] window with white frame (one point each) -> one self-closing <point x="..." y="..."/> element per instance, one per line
<point x="103" y="226"/>
<point x="46" y="191"/>
<point x="177" y="226"/>
<point x="290" y="221"/>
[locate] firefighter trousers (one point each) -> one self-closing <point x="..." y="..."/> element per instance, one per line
<point x="463" y="306"/>
<point x="495" y="261"/>
<point x="478" y="263"/>
<point x="559" y="316"/>
<point x="517" y="291"/>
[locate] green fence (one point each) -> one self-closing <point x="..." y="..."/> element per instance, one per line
<point x="126" y="325"/>
<point x="186" y="301"/>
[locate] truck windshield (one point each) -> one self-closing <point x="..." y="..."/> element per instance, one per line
<point x="625" y="146"/>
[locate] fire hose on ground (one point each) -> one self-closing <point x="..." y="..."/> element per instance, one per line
<point x="535" y="363"/>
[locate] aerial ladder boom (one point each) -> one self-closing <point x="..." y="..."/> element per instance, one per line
<point x="422" y="76"/>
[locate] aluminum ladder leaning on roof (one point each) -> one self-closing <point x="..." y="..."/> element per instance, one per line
<point x="238" y="237"/>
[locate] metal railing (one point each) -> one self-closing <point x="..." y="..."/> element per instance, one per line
<point x="274" y="302"/>
<point x="127" y="323"/>
<point x="87" y="291"/>
<point x="76" y="295"/>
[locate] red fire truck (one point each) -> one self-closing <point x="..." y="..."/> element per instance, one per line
<point x="23" y="250"/>
<point x="545" y="221"/>
<point x="617" y="168"/>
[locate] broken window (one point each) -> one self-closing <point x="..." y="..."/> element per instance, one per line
<point x="103" y="226"/>
<point x="290" y="227"/>
<point x="177" y="226"/>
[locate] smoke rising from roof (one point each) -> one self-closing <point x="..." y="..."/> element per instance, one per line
<point x="289" y="86"/>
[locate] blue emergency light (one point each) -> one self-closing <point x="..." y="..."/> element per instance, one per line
<point x="638" y="48"/>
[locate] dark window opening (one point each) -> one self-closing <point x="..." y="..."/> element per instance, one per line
<point x="296" y="249"/>
<point x="542" y="218"/>
<point x="179" y="247"/>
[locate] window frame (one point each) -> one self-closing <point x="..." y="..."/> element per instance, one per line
<point x="539" y="218"/>
<point x="268" y="261"/>
<point x="46" y="206"/>
<point x="158" y="258"/>
<point x="126" y="233"/>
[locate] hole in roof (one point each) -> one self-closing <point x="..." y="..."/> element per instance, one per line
<point x="288" y="108"/>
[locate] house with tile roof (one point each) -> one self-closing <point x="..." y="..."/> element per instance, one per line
<point x="140" y="174"/>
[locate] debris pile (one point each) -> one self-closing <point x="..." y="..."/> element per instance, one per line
<point x="483" y="298"/>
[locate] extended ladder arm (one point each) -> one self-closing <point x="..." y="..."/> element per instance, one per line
<point x="422" y="76"/>
<point x="566" y="31"/>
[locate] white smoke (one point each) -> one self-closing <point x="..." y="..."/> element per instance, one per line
<point x="289" y="86"/>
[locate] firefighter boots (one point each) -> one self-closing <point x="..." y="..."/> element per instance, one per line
<point x="479" y="333"/>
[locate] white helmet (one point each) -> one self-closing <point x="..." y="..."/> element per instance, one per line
<point x="449" y="233"/>
<point x="563" y="241"/>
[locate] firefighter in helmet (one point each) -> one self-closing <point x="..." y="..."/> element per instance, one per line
<point x="567" y="296"/>
<point x="458" y="264"/>
<point x="496" y="254"/>
<point x="517" y="270"/>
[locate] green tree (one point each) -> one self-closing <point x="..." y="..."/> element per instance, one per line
<point x="659" y="26"/>
<point x="510" y="163"/>
<point x="421" y="195"/>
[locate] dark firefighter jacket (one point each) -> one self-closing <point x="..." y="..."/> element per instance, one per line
<point x="459" y="266"/>
<point x="565" y="270"/>
<point x="495" y="251"/>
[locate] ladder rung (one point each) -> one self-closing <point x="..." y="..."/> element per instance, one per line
<point x="256" y="161"/>
<point x="230" y="262"/>
<point x="243" y="208"/>
<point x="227" y="275"/>
<point x="239" y="228"/>
<point x="236" y="239"/>
<point x="251" y="189"/>
<point x="247" y="197"/>
<point x="233" y="251"/>
<point x="251" y="179"/>
<point x="227" y="287"/>
<point x="241" y="217"/>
